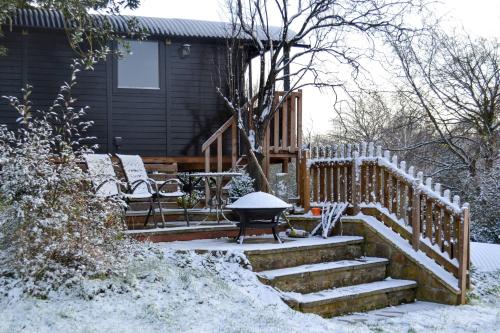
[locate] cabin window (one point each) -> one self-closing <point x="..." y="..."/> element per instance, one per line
<point x="139" y="68"/>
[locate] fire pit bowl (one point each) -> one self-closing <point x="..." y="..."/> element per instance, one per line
<point x="258" y="210"/>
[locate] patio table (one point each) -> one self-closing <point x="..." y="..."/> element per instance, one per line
<point x="218" y="178"/>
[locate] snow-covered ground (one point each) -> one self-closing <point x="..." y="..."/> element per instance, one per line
<point x="206" y="293"/>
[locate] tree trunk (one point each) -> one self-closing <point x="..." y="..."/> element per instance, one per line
<point x="255" y="168"/>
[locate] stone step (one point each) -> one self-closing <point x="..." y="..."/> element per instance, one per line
<point x="321" y="276"/>
<point x="357" y="298"/>
<point x="311" y="251"/>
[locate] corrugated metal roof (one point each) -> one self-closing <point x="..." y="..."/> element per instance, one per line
<point x="51" y="19"/>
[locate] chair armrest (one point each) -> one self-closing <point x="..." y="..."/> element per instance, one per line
<point x="135" y="185"/>
<point x="170" y="182"/>
<point x="109" y="180"/>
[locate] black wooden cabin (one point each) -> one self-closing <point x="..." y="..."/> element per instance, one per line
<point x="161" y="100"/>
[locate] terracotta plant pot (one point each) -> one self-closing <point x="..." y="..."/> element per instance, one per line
<point x="316" y="211"/>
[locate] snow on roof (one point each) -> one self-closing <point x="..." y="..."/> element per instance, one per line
<point x="259" y="200"/>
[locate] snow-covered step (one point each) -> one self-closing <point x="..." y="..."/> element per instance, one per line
<point x="315" y="277"/>
<point x="356" y="298"/>
<point x="308" y="251"/>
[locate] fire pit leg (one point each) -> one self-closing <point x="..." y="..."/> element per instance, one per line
<point x="241" y="234"/>
<point x="275" y="234"/>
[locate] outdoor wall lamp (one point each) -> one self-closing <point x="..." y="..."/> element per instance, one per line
<point x="185" y="50"/>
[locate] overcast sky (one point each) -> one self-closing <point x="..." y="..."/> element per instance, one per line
<point x="478" y="17"/>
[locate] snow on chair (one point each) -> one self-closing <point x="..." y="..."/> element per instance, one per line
<point x="107" y="185"/>
<point x="140" y="183"/>
<point x="330" y="215"/>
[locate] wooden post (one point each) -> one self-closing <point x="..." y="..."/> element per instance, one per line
<point x="284" y="123"/>
<point x="276" y="131"/>
<point x="329" y="183"/>
<point x="428" y="220"/>
<point x="415" y="219"/>
<point x="219" y="153"/>
<point x="293" y="124"/>
<point x="378" y="183"/>
<point x="463" y="254"/>
<point x="305" y="184"/>
<point x="207" y="169"/>
<point x="387" y="192"/>
<point x="447" y="232"/>
<point x="315" y="171"/>
<point x="354" y="187"/>
<point x="322" y="189"/>
<point x="363" y="178"/>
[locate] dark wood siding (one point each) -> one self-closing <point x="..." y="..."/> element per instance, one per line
<point x="195" y="110"/>
<point x="173" y="121"/>
<point x="11" y="76"/>
<point x="43" y="60"/>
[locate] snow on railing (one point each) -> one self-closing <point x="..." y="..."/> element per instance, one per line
<point x="365" y="176"/>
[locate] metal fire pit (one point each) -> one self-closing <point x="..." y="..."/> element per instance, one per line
<point x="258" y="210"/>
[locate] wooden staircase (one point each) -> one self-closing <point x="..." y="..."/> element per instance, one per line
<point x="282" y="142"/>
<point x="331" y="278"/>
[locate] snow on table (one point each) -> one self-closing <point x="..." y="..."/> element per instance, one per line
<point x="485" y="257"/>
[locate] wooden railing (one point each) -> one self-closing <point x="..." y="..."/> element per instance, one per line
<point x="217" y="138"/>
<point x="286" y="136"/>
<point x="428" y="218"/>
<point x="284" y="133"/>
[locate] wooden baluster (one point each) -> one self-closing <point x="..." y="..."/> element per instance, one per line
<point x="363" y="177"/>
<point x="293" y="124"/>
<point x="219" y="153"/>
<point x="299" y="119"/>
<point x="322" y="183"/>
<point x="372" y="197"/>
<point x="402" y="201"/>
<point x="438" y="225"/>
<point x="387" y="192"/>
<point x="380" y="182"/>
<point x="346" y="180"/>
<point x="429" y="220"/>
<point x="354" y="186"/>
<point x="377" y="183"/>
<point x="329" y="182"/>
<point x="415" y="219"/>
<point x="456" y="235"/>
<point x="447" y="232"/>
<point x="336" y="183"/>
<point x="343" y="181"/>
<point x="284" y="122"/>
<point x="276" y="130"/>
<point x="394" y="195"/>
<point x="409" y="205"/>
<point x="207" y="169"/>
<point x="315" y="188"/>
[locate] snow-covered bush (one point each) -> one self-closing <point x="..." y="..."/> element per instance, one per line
<point x="241" y="186"/>
<point x="53" y="229"/>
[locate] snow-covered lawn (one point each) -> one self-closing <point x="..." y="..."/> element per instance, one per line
<point x="206" y="293"/>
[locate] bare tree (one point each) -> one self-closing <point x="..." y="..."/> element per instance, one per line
<point x="456" y="81"/>
<point x="321" y="28"/>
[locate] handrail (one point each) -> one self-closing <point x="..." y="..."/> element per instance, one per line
<point x="217" y="133"/>
<point x="427" y="217"/>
